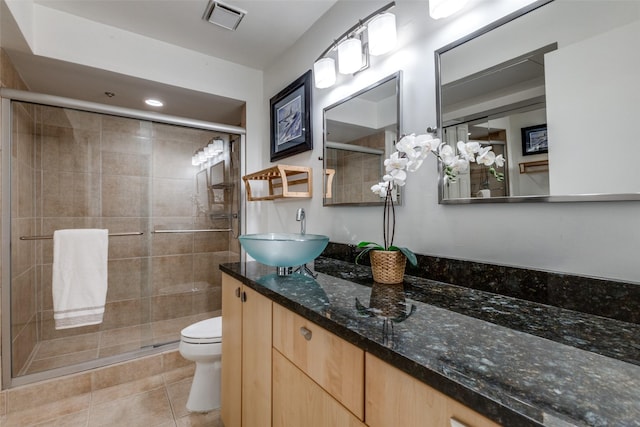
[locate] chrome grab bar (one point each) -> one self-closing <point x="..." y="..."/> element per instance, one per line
<point x="133" y="233"/>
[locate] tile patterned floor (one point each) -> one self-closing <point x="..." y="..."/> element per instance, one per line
<point x="154" y="401"/>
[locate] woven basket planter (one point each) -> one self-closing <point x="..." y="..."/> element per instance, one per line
<point x="387" y="266"/>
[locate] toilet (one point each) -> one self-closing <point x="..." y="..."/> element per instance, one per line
<point x="202" y="343"/>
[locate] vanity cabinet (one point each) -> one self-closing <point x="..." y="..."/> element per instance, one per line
<point x="298" y="401"/>
<point x="395" y="398"/>
<point x="246" y="356"/>
<point x="333" y="363"/>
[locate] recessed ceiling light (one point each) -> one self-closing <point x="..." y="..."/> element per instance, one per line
<point x="154" y="102"/>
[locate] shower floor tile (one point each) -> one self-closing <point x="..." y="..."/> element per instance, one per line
<point x="70" y="350"/>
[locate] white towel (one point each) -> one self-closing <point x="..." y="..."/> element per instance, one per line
<point x="79" y="276"/>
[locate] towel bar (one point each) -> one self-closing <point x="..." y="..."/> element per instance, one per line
<point x="134" y="233"/>
<point x="205" y="230"/>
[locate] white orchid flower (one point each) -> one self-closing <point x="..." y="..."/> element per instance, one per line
<point x="406" y="143"/>
<point x="468" y="150"/>
<point x="395" y="162"/>
<point x="396" y="176"/>
<point x="486" y="156"/>
<point x="446" y="154"/>
<point x="380" y="189"/>
<point x="427" y="143"/>
<point x="414" y="165"/>
<point x="500" y="160"/>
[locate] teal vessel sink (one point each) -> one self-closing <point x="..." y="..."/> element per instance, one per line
<point x="284" y="249"/>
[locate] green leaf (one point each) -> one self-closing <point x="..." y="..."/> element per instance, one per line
<point x="366" y="247"/>
<point x="411" y="257"/>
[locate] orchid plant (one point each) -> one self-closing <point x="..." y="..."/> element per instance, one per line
<point x="411" y="152"/>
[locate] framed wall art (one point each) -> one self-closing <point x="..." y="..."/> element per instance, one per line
<point x="534" y="140"/>
<point x="291" y="119"/>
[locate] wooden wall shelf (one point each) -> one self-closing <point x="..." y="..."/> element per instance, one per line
<point x="534" y="167"/>
<point x="280" y="179"/>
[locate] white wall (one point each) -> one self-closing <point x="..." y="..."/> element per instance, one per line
<point x="610" y="102"/>
<point x="594" y="239"/>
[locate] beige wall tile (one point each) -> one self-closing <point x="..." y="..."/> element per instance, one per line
<point x="172" y="159"/>
<point x="173" y="197"/>
<point x="70" y="150"/>
<point x="171" y="306"/>
<point x="125" y="196"/>
<point x="120" y="314"/>
<point x="125" y="126"/>
<point x="171" y="272"/>
<point x="67" y="118"/>
<point x="128" y="246"/>
<point x="127" y="278"/>
<point x="133" y="164"/>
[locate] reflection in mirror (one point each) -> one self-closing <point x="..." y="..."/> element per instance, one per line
<point x="359" y="133"/>
<point x="533" y="85"/>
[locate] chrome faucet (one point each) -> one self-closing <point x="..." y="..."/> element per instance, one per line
<point x="300" y="216"/>
<point x="303" y="269"/>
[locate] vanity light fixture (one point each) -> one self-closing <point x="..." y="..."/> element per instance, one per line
<point x="375" y="35"/>
<point x="209" y="151"/>
<point x="443" y="8"/>
<point x="350" y="55"/>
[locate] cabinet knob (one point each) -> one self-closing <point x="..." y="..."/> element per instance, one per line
<point x="306" y="333"/>
<point x="243" y="298"/>
<point x="238" y="292"/>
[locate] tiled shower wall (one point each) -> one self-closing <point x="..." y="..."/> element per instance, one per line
<point x="356" y="172"/>
<point x="86" y="170"/>
<point x="9" y="78"/>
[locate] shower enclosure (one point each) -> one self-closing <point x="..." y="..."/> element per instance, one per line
<point x="171" y="221"/>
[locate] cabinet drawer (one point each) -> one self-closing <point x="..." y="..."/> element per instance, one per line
<point x="395" y="398"/>
<point x="333" y="363"/>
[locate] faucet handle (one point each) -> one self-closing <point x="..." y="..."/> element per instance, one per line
<point x="300" y="214"/>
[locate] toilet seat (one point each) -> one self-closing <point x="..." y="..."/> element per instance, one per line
<point x="208" y="331"/>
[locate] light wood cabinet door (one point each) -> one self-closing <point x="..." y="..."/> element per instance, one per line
<point x="330" y="361"/>
<point x="256" y="359"/>
<point x="246" y="356"/>
<point x="231" y="387"/>
<point x="394" y="398"/>
<point x="300" y="402"/>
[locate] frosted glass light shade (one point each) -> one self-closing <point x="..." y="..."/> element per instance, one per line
<point x="350" y="56"/>
<point x="382" y="34"/>
<point x="324" y="72"/>
<point x="217" y="146"/>
<point x="443" y="8"/>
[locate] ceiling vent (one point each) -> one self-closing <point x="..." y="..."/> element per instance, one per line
<point x="222" y="14"/>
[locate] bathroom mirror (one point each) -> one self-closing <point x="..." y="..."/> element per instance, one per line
<point x="359" y="133"/>
<point x="554" y="88"/>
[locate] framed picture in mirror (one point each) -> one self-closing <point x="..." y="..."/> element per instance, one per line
<point x="534" y="140"/>
<point x="291" y="119"/>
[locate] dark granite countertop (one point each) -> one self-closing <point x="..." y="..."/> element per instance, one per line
<point x="517" y="362"/>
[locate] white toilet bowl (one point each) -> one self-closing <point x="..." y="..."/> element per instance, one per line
<point x="202" y="343"/>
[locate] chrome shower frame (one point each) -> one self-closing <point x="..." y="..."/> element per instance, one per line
<point x="9" y="95"/>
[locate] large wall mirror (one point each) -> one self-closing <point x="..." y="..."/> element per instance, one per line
<point x="554" y="87"/>
<point x="359" y="133"/>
